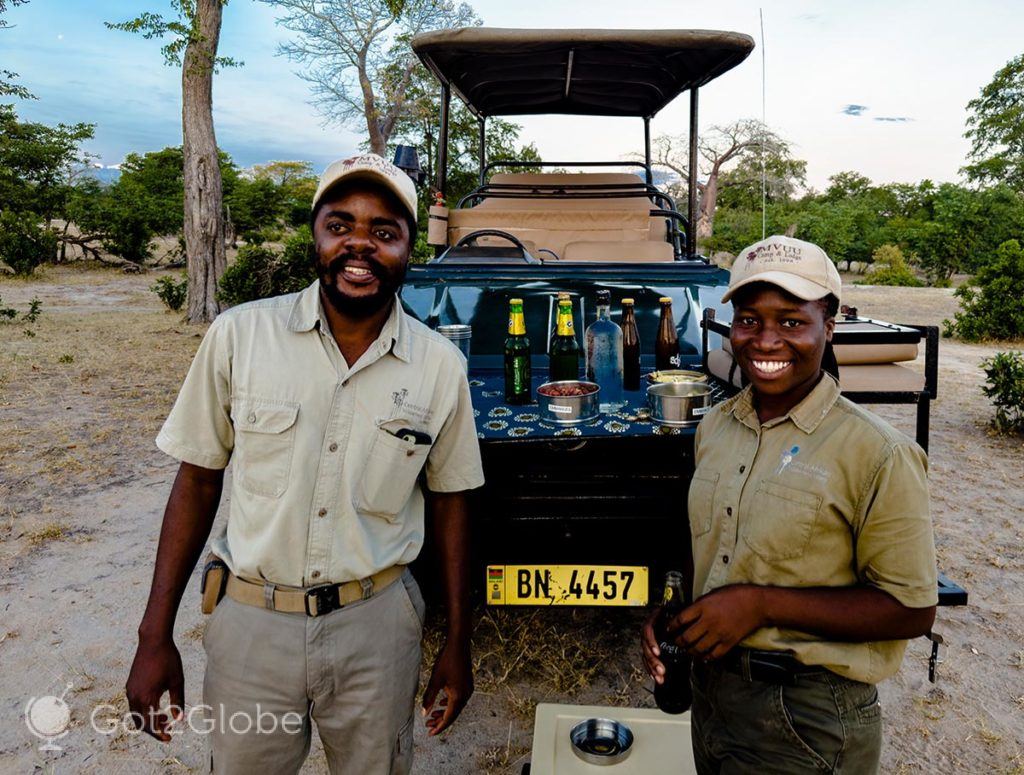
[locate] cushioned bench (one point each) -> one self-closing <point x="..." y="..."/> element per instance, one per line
<point x="580" y="228"/>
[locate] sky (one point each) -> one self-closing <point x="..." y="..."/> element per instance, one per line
<point x="876" y="86"/>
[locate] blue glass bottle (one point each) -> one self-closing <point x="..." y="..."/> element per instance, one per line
<point x="604" y="355"/>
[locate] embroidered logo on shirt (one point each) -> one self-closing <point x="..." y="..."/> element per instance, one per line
<point x="787" y="458"/>
<point x="788" y="461"/>
<point x="421" y="413"/>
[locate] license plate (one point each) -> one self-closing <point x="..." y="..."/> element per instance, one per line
<point x="589" y="585"/>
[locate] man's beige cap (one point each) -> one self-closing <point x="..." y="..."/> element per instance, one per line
<point x="369" y="166"/>
<point x="801" y="268"/>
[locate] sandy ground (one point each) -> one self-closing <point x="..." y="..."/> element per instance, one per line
<point x="82" y="490"/>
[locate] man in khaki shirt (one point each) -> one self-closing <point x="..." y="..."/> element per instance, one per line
<point x="813" y="556"/>
<point x="332" y="405"/>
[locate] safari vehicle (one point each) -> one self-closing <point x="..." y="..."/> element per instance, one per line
<point x="589" y="515"/>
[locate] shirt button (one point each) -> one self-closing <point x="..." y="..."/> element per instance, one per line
<point x="409" y="453"/>
<point x="315" y="574"/>
<point x="322" y="513"/>
<point x="729" y="511"/>
<point x="725" y="559"/>
<point x="742" y="469"/>
<point x="252" y="416"/>
<point x="333" y="447"/>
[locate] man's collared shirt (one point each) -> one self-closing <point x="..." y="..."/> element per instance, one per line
<point x="828" y="495"/>
<point x="323" y="490"/>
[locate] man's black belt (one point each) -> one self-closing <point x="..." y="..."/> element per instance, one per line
<point x="775" y="667"/>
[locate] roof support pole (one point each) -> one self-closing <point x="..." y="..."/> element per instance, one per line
<point x="442" y="141"/>
<point x="647" y="149"/>
<point x="691" y="174"/>
<point x="483" y="147"/>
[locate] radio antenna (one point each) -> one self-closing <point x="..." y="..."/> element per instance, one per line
<point x="764" y="131"/>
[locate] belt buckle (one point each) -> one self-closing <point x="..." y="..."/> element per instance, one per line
<point x="327" y="599"/>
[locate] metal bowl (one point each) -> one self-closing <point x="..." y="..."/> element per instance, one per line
<point x="678" y="404"/>
<point x="601" y="741"/>
<point x="569" y="410"/>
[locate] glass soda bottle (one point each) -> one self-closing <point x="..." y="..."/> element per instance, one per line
<point x="630" y="347"/>
<point x="666" y="347"/>
<point x="565" y="350"/>
<point x="673" y="694"/>
<point x="517" y="356"/>
<point x="604" y="355"/>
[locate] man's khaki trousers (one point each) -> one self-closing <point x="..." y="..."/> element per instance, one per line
<point x="353" y="671"/>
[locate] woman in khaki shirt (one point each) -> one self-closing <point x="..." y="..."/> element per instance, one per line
<point x="813" y="556"/>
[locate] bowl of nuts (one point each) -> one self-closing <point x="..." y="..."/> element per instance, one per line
<point x="568" y="402"/>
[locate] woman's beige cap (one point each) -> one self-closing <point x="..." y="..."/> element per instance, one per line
<point x="369" y="166"/>
<point x="801" y="268"/>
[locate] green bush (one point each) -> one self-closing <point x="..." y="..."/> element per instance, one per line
<point x="889" y="267"/>
<point x="991" y="303"/>
<point x="24" y="243"/>
<point x="171" y="292"/>
<point x="1005" y="386"/>
<point x="260" y="271"/>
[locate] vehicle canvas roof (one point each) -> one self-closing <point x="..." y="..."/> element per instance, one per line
<point x="505" y="72"/>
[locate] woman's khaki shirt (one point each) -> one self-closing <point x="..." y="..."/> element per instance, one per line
<point x="828" y="495"/>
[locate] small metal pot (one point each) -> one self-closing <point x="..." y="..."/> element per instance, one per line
<point x="678" y="404"/>
<point x="569" y="410"/>
<point x="601" y="741"/>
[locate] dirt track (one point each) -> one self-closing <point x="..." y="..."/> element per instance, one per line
<point x="82" y="490"/>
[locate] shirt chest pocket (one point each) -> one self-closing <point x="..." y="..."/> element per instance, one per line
<point x="390" y="474"/>
<point x="779" y="521"/>
<point x="264" y="444"/>
<point x="701" y="502"/>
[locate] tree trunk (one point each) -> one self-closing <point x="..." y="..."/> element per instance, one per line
<point x="706" y="208"/>
<point x="204" y="244"/>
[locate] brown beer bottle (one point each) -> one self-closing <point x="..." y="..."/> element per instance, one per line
<point x="666" y="348"/>
<point x="673" y="695"/>
<point x="630" y="348"/>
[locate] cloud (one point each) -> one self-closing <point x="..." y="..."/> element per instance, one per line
<point x="853" y="110"/>
<point x="894" y="119"/>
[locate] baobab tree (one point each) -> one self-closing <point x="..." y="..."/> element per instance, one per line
<point x="730" y="156"/>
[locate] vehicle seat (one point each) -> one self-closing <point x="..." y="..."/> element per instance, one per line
<point x="552" y="224"/>
<point x="633" y="251"/>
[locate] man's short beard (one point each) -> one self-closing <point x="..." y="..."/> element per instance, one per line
<point x="359" y="306"/>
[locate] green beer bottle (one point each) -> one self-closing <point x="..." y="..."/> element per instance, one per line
<point x="565" y="350"/>
<point x="517" y="356"/>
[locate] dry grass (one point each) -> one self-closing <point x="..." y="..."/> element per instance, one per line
<point x="933" y="706"/>
<point x="53" y="531"/>
<point x="562" y="650"/>
<point x="83" y="399"/>
<point x="196" y="632"/>
<point x="502" y="758"/>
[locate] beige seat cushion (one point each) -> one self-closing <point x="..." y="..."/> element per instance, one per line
<point x="553" y="229"/>
<point x="852" y="378"/>
<point x="632" y="251"/>
<point x="877" y="377"/>
<point x="854" y="354"/>
<point x="720" y="363"/>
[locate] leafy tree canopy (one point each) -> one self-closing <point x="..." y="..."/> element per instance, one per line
<point x="995" y="128"/>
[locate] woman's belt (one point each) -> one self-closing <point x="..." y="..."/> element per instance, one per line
<point x="775" y="667"/>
